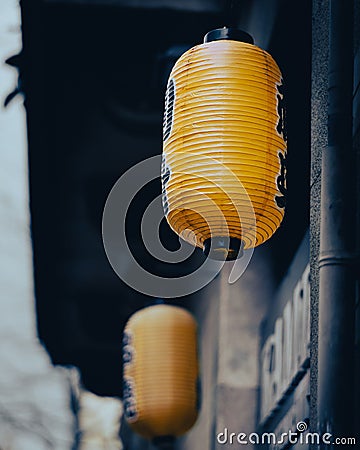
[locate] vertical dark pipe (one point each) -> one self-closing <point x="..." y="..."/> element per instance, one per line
<point x="337" y="288"/>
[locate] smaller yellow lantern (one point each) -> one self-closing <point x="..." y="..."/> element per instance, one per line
<point x="160" y="370"/>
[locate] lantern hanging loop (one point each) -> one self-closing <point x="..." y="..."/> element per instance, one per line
<point x="231" y="13"/>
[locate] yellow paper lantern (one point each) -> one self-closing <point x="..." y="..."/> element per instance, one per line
<point x="224" y="149"/>
<point x="160" y="372"/>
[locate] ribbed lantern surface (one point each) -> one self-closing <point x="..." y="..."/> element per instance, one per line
<point x="161" y="371"/>
<point x="224" y="150"/>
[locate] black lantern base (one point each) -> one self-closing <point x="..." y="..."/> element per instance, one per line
<point x="164" y="442"/>
<point x="223" y="248"/>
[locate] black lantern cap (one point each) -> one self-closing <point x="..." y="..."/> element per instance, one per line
<point x="223" y="248"/>
<point x="232" y="34"/>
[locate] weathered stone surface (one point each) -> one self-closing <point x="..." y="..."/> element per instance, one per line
<point x="34" y="396"/>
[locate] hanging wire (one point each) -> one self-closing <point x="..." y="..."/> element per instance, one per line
<point x="231" y="13"/>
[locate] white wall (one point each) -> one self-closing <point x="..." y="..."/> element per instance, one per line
<point x="34" y="396"/>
